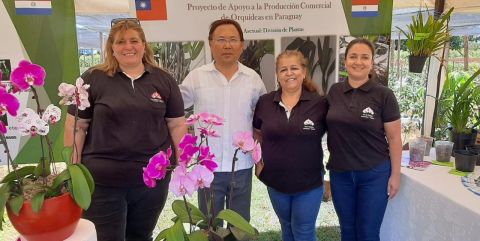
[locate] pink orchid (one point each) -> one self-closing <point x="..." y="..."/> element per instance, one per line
<point x="187" y="148"/>
<point x="210" y="164"/>
<point x="211" y="119"/>
<point x="74" y="94"/>
<point x="181" y="183"/>
<point x="187" y="139"/>
<point x="158" y="164"/>
<point x="52" y="114"/>
<point x="208" y="132"/>
<point x="150" y="182"/>
<point x="257" y="153"/>
<point x="28" y="74"/>
<point x="8" y="103"/>
<point x="201" y="176"/>
<point x="244" y="141"/>
<point x="192" y="119"/>
<point x="3" y="128"/>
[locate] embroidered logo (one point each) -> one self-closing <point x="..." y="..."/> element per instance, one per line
<point x="308" y="125"/>
<point x="368" y="113"/>
<point x="156" y="97"/>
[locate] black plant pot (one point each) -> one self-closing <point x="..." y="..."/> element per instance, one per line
<point x="462" y="140"/>
<point x="465" y="160"/>
<point x="475" y="149"/>
<point x="416" y="63"/>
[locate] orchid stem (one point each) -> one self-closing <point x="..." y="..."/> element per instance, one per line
<point x="232" y="180"/>
<point x="189" y="213"/>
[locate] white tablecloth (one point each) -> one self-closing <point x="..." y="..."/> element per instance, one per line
<point x="432" y="205"/>
<point x="85" y="231"/>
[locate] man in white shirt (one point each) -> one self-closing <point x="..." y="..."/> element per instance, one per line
<point x="229" y="89"/>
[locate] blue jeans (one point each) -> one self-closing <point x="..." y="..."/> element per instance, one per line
<point x="360" y="199"/>
<point x="297" y="213"/>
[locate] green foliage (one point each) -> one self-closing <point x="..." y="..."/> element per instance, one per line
<point x="459" y="102"/>
<point x="80" y="188"/>
<point x="254" y="52"/>
<point x="20" y="173"/>
<point x="426" y="37"/>
<point x="37" y="201"/>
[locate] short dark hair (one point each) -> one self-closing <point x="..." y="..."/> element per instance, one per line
<point x="214" y="25"/>
<point x="360" y="41"/>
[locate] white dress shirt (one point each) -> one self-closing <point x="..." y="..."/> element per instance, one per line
<point x="208" y="90"/>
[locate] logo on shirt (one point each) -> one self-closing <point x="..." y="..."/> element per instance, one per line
<point x="368" y="113"/>
<point x="156" y="97"/>
<point x="308" y="125"/>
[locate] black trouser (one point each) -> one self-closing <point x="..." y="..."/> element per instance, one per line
<point x="127" y="213"/>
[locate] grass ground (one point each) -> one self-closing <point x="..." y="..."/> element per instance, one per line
<point x="263" y="218"/>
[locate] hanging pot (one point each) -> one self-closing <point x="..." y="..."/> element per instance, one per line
<point x="56" y="220"/>
<point x="416" y="63"/>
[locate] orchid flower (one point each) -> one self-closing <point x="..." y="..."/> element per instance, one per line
<point x="201" y="176"/>
<point x="187" y="148"/>
<point x="8" y="103"/>
<point x="211" y="119"/>
<point x="157" y="165"/>
<point x="29" y="123"/>
<point x="192" y="119"/>
<point x="28" y="74"/>
<point x="150" y="182"/>
<point x="208" y="132"/>
<point x="52" y="114"/>
<point x="181" y="183"/>
<point x="74" y="94"/>
<point x="206" y="158"/>
<point x="244" y="141"/>
<point x="257" y="153"/>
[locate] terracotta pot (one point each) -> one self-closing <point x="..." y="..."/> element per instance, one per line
<point x="57" y="219"/>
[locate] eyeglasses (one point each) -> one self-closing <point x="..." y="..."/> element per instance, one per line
<point x="222" y="41"/>
<point x="118" y="20"/>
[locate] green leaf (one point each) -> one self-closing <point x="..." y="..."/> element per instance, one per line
<point x="37" y="201"/>
<point x="21" y="172"/>
<point x="199" y="235"/>
<point x="62" y="177"/>
<point x="241" y="235"/>
<point x="236" y="220"/>
<point x="67" y="154"/>
<point x="4" y="195"/>
<point x="176" y="233"/>
<point x="178" y="207"/>
<point x="16" y="204"/>
<point x="162" y="235"/>
<point x="43" y="168"/>
<point x="80" y="189"/>
<point x="88" y="177"/>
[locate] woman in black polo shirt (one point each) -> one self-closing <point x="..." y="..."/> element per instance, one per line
<point x="290" y="123"/>
<point x="136" y="111"/>
<point x="365" y="146"/>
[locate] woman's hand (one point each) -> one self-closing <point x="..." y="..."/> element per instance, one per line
<point x="393" y="186"/>
<point x="258" y="168"/>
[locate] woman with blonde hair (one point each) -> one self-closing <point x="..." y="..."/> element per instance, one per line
<point x="136" y="111"/>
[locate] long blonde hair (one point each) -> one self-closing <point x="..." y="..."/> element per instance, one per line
<point x="307" y="82"/>
<point x="110" y="65"/>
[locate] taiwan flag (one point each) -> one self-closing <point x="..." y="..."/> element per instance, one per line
<point x="151" y="9"/>
<point x="39" y="7"/>
<point x="365" y="8"/>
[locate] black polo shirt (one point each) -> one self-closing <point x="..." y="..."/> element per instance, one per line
<point x="292" y="148"/>
<point x="356" y="137"/>
<point x="128" y="123"/>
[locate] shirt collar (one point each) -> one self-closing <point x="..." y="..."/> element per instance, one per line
<point x="242" y="69"/>
<point x="366" y="87"/>
<point x="306" y="95"/>
<point x="148" y="68"/>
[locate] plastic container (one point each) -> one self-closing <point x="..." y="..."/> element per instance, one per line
<point x="443" y="150"/>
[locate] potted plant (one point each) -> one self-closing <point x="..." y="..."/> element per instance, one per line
<point x="459" y="104"/>
<point x="42" y="203"/>
<point x="195" y="171"/>
<point x="425" y="37"/>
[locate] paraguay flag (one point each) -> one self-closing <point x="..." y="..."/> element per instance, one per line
<point x="39" y="7"/>
<point x="151" y="9"/>
<point x="365" y="8"/>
